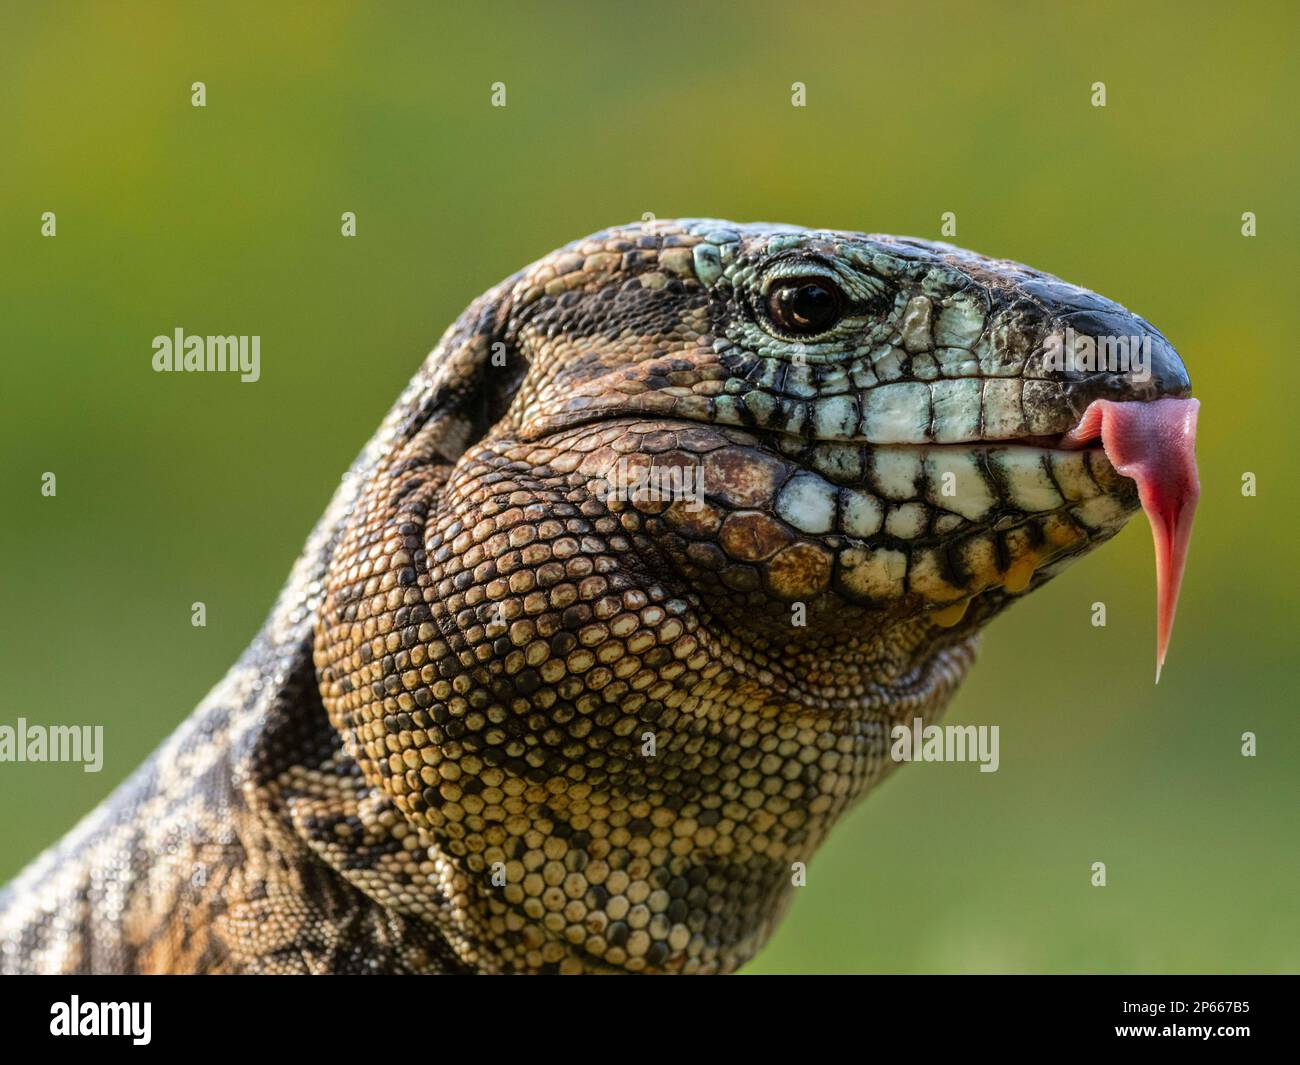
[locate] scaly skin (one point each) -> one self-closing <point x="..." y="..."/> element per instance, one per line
<point x="505" y="718"/>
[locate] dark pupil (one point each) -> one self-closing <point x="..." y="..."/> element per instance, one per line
<point x="806" y="308"/>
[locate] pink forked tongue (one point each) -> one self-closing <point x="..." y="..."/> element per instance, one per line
<point x="1154" y="444"/>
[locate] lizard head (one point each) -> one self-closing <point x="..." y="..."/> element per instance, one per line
<point x="678" y="522"/>
<point x="888" y="414"/>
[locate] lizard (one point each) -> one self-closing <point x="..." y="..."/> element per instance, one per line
<point x="516" y="711"/>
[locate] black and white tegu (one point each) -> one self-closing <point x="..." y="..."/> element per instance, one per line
<point x="610" y="620"/>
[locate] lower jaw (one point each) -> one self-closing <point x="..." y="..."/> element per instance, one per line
<point x="901" y="529"/>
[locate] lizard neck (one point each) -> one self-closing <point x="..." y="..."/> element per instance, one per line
<point x="572" y="763"/>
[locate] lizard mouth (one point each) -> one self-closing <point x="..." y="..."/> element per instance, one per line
<point x="1049" y="442"/>
<point x="936" y="525"/>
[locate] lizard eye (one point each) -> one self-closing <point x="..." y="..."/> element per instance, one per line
<point x="805" y="306"/>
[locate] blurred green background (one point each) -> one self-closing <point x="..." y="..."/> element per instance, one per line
<point x="225" y="219"/>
